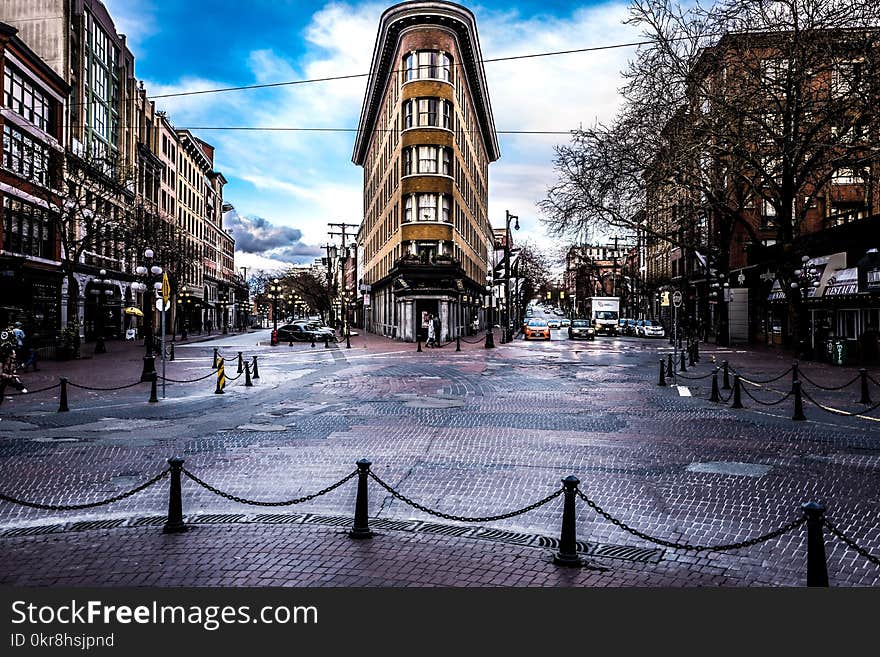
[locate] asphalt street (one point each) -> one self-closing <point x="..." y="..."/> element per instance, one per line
<point x="470" y="433"/>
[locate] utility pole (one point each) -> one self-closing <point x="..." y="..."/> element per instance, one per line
<point x="343" y="232"/>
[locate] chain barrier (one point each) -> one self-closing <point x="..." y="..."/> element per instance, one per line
<point x="89" y="505"/>
<point x="764" y="403"/>
<point x="31" y="392"/>
<point x="447" y="516"/>
<point x="477" y="341"/>
<point x="851" y="543"/>
<point x="873" y="380"/>
<point x="821" y="387"/>
<point x="243" y="500"/>
<point x="693" y="378"/>
<point x="794" y="524"/>
<point x="828" y="409"/>
<point x="232" y="378"/>
<point x="761" y="382"/>
<point x="94" y="389"/>
<point x="723" y="398"/>
<point x="201" y="378"/>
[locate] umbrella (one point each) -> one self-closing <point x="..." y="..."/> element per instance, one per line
<point x="131" y="310"/>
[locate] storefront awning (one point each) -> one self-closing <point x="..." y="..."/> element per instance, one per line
<point x="843" y="282"/>
<point x="826" y="266"/>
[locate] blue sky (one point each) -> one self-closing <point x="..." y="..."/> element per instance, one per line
<point x="286" y="186"/>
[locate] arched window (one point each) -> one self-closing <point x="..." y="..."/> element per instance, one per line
<point x="427" y="65"/>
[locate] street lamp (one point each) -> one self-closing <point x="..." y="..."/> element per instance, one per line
<point x="101" y="288"/>
<point x="804" y="279"/>
<point x="184" y="307"/>
<point x="149" y="274"/>
<point x="490" y="336"/>
<point x="274" y="292"/>
<point x="505" y="334"/>
<point x="223" y="302"/>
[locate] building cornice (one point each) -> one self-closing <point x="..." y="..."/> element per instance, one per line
<point x="426" y="13"/>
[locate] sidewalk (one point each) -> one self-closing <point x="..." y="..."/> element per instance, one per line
<point x="282" y="554"/>
<point x="121" y="365"/>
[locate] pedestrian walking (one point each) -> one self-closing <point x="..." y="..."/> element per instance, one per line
<point x="432" y="335"/>
<point x="438" y="331"/>
<point x="8" y="374"/>
<point x="29" y="354"/>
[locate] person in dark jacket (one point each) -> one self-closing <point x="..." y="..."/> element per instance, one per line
<point x="438" y="341"/>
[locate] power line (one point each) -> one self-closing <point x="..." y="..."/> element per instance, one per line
<point x="288" y="129"/>
<point x="552" y="53"/>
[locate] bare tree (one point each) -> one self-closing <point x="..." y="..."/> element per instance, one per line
<point x="735" y="119"/>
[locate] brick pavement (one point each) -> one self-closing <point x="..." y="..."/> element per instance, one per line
<point x="473" y="434"/>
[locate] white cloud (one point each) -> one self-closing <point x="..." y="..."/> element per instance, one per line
<point x="305" y="179"/>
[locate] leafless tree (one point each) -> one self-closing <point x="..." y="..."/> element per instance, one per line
<point x="735" y="119"/>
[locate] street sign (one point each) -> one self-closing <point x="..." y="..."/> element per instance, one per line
<point x="162" y="305"/>
<point x="166" y="288"/>
<point x="676" y="299"/>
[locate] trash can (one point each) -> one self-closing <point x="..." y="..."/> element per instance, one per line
<point x="838" y="351"/>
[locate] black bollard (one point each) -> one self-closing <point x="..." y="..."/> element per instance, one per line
<point x="567" y="554"/>
<point x="214" y="364"/>
<point x="697" y="351"/>
<point x="716" y="395"/>
<point x="313" y="340"/>
<point x="154" y="399"/>
<point x="798" y="403"/>
<point x="419" y="342"/>
<point x="726" y="369"/>
<point x="817" y="569"/>
<point x="361" y="527"/>
<point x="348" y="339"/>
<point x="247" y="376"/>
<point x="866" y="395"/>
<point x="326" y="342"/>
<point x="682" y="367"/>
<point x="256" y="371"/>
<point x="669" y="371"/>
<point x="62" y="403"/>
<point x="691" y="359"/>
<point x="662" y="381"/>
<point x="737" y="400"/>
<point x="240" y="364"/>
<point x="174" y="523"/>
<point x="794" y="373"/>
<point x="457" y="343"/>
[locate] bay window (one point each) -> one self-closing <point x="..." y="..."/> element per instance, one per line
<point x="427" y="113"/>
<point x="427" y="65"/>
<point x="427" y="160"/>
<point x="427" y="207"/>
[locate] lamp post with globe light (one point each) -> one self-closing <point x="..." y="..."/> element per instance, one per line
<point x="275" y="289"/>
<point x="804" y="279"/>
<point x="101" y="288"/>
<point x="490" y="336"/>
<point x="149" y="274"/>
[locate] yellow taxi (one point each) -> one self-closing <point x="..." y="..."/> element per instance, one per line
<point x="536" y="329"/>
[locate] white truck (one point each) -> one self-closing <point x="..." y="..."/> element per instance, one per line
<point x="603" y="313"/>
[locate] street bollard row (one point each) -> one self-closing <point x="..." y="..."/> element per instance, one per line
<point x="813" y="516"/>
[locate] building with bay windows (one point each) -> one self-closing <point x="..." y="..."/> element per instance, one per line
<point x="31" y="118"/>
<point x="426" y="138"/>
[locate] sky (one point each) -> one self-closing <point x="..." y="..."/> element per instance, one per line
<point x="286" y="186"/>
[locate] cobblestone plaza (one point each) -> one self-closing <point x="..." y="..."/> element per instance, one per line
<point x="469" y="433"/>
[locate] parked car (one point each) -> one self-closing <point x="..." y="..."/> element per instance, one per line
<point x="581" y="328"/>
<point x="627" y="327"/>
<point x="536" y="329"/>
<point x="300" y="332"/>
<point x="553" y="323"/>
<point x="649" y="328"/>
<point x="565" y="322"/>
